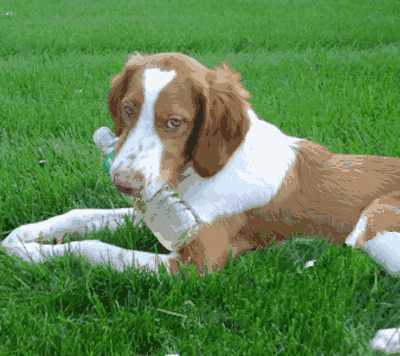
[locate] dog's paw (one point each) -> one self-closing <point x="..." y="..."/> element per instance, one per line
<point x="387" y="340"/>
<point x="23" y="234"/>
<point x="30" y="252"/>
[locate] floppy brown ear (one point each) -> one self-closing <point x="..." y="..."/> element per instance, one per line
<point x="114" y="99"/>
<point x="224" y="122"/>
<point x="119" y="85"/>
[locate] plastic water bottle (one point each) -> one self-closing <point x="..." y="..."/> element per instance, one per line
<point x="105" y="141"/>
<point x="171" y="220"/>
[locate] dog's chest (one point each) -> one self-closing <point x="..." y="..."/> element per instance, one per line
<point x="250" y="179"/>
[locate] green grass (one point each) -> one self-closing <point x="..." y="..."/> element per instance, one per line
<point x="326" y="70"/>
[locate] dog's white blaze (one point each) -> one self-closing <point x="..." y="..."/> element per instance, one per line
<point x="250" y="179"/>
<point x="357" y="232"/>
<point x="384" y="248"/>
<point x="142" y="150"/>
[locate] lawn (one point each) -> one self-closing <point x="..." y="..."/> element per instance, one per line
<point x="327" y="70"/>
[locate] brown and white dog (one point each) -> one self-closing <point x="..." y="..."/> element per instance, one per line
<point x="182" y="124"/>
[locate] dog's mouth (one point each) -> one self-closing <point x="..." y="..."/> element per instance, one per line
<point x="133" y="192"/>
<point x="140" y="191"/>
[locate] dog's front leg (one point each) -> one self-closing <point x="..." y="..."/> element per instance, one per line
<point x="24" y="241"/>
<point x="77" y="221"/>
<point x="96" y="252"/>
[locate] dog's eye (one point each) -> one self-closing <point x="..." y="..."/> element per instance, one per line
<point x="173" y="123"/>
<point x="129" y="111"/>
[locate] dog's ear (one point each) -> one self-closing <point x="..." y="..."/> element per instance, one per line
<point x="223" y="121"/>
<point x="115" y="95"/>
<point x="119" y="85"/>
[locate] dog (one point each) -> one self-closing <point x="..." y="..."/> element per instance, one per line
<point x="192" y="128"/>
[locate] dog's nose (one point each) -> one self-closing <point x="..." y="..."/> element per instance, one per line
<point x="128" y="184"/>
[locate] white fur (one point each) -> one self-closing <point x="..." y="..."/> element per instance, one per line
<point x="250" y="179"/>
<point x="384" y="248"/>
<point x="142" y="150"/>
<point x="24" y="241"/>
<point x="79" y="221"/>
<point x="96" y="252"/>
<point x="357" y="232"/>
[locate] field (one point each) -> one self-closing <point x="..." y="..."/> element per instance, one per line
<point x="328" y="70"/>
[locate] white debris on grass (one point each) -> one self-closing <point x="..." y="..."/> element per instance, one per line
<point x="386" y="340"/>
<point x="309" y="264"/>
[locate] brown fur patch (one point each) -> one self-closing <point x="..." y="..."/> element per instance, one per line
<point x="120" y="85"/>
<point x="322" y="195"/>
<point x="383" y="214"/>
<point x="225" y="122"/>
<point x="214" y="242"/>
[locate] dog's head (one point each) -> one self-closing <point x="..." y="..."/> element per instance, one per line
<point x="169" y="112"/>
